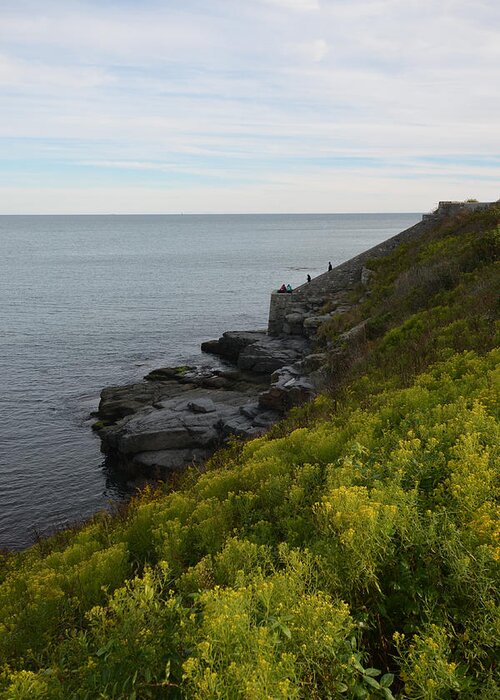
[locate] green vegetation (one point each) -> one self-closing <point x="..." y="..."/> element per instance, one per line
<point x="353" y="552"/>
<point x="99" y="424"/>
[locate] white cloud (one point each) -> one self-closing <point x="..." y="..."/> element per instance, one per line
<point x="315" y="50"/>
<point x="296" y="5"/>
<point x="216" y="89"/>
<point x="40" y="77"/>
<point x="339" y="193"/>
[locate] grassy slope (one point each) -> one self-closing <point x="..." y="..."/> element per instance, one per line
<point x="352" y="552"/>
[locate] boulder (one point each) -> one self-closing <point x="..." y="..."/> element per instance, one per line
<point x="167" y="373"/>
<point x="231" y="343"/>
<point x="354" y="336"/>
<point x="240" y="426"/>
<point x="288" y="388"/>
<point x="366" y="276"/>
<point x="266" y="419"/>
<point x="269" y="354"/>
<point x="168" y="460"/>
<point x="250" y="410"/>
<point x="120" y="401"/>
<point x="316" y="321"/>
<point x="203" y="405"/>
<point x="311" y="363"/>
<point x="183" y="413"/>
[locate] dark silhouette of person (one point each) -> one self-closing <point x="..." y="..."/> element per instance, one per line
<point x="330" y="268"/>
<point x="308" y="278"/>
<point x="289" y="289"/>
<point x="282" y="289"/>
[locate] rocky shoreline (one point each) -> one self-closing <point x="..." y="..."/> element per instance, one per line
<point x="180" y="415"/>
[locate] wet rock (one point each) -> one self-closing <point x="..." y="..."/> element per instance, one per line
<point x="119" y="401"/>
<point x="167" y="373"/>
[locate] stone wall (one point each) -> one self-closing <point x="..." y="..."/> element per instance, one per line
<point x="299" y="313"/>
<point x="449" y="208"/>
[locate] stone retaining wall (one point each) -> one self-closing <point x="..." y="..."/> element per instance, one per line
<point x="292" y="313"/>
<point x="312" y="295"/>
<point x="451" y="208"/>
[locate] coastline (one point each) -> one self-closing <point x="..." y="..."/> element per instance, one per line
<point x="134" y="299"/>
<point x="180" y="415"/>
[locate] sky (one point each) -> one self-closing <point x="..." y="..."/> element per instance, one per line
<point x="236" y="106"/>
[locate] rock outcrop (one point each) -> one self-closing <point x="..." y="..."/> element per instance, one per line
<point x="256" y="352"/>
<point x="179" y="415"/>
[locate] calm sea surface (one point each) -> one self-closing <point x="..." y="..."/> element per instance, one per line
<point x="91" y="301"/>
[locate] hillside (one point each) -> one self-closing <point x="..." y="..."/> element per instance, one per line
<point x="351" y="552"/>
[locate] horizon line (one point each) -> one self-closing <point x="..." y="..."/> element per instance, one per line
<point x="221" y="213"/>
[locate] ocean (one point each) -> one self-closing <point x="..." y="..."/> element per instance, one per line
<point x="93" y="301"/>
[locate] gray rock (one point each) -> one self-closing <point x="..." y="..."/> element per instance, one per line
<point x="179" y="413"/>
<point x="354" y="336"/>
<point x="293" y="324"/>
<point x="341" y="309"/>
<point x="118" y="402"/>
<point x="266" y="419"/>
<point x="216" y="383"/>
<point x="169" y="460"/>
<point x="366" y="276"/>
<point x="310" y="363"/>
<point x="231" y="343"/>
<point x="312" y="323"/>
<point x="294" y="318"/>
<point x="288" y="388"/>
<point x="201" y="406"/>
<point x="160" y="430"/>
<point x="250" y="410"/>
<point x="240" y="427"/>
<point x="166" y="373"/>
<point x="269" y="354"/>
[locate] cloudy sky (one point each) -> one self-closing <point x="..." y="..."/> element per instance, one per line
<point x="247" y="105"/>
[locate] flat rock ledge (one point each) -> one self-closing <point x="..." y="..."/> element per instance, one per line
<point x="180" y="415"/>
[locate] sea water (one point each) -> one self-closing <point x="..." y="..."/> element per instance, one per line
<point x="93" y="301"/>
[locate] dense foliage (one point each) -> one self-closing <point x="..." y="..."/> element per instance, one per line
<point x="353" y="552"/>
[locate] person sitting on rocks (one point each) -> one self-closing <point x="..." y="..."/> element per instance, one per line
<point x="289" y="289"/>
<point x="308" y="278"/>
<point x="330" y="268"/>
<point x="282" y="289"/>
